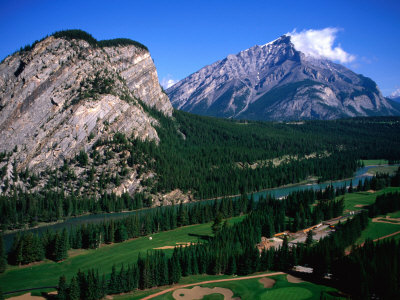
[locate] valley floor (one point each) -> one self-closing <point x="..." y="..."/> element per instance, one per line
<point x="47" y="273"/>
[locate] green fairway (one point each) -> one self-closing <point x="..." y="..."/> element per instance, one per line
<point x="375" y="162"/>
<point x="253" y="289"/>
<point x="47" y="273"/>
<point x="376" y="230"/>
<point x="364" y="198"/>
<point x="395" y="214"/>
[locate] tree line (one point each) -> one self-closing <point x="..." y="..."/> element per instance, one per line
<point x="300" y="209"/>
<point x="230" y="251"/>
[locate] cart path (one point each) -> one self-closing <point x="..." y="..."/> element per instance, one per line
<point x="210" y="281"/>
<point x="386" y="236"/>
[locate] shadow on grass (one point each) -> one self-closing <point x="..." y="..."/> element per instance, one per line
<point x="201" y="236"/>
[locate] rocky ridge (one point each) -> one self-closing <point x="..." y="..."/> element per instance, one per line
<point x="65" y="97"/>
<point x="276" y="82"/>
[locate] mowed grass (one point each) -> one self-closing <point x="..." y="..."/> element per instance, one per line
<point x="376" y="230"/>
<point x="47" y="273"/>
<point x="253" y="289"/>
<point x="375" y="162"/>
<point x="364" y="198"/>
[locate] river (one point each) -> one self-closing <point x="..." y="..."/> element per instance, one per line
<point x="359" y="175"/>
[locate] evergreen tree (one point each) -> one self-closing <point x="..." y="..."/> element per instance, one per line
<point x="3" y="261"/>
<point x="73" y="290"/>
<point x="112" y="284"/>
<point x="309" y="239"/>
<point x="60" y="247"/>
<point x="62" y="288"/>
<point x="216" y="227"/>
<point x="121" y="233"/>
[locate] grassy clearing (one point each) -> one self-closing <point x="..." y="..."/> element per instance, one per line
<point x="364" y="198"/>
<point x="48" y="272"/>
<point x="376" y="230"/>
<point x="375" y="162"/>
<point x="253" y="289"/>
<point x="391" y="170"/>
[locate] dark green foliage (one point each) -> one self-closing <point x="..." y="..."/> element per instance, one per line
<point x="82" y="35"/>
<point x="77" y="35"/>
<point x="370" y="271"/>
<point x="73" y="290"/>
<point x="3" y="261"/>
<point x="386" y="203"/>
<point x="121" y="233"/>
<point x="82" y="158"/>
<point x="26" y="248"/>
<point x="216" y="227"/>
<point x="309" y="239"/>
<point x="62" y="289"/>
<point x="213" y="156"/>
<point x="210" y="158"/>
<point x="121" y="42"/>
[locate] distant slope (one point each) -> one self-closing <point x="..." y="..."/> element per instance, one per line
<point x="277" y="82"/>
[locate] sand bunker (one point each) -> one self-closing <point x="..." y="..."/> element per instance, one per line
<point x="177" y="245"/>
<point x="27" y="296"/>
<point x="199" y="292"/>
<point x="293" y="279"/>
<point x="267" y="282"/>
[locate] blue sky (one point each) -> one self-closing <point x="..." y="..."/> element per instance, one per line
<point x="184" y="36"/>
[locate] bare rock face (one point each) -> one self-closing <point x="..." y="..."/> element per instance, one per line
<point x="277" y="82"/>
<point x="64" y="95"/>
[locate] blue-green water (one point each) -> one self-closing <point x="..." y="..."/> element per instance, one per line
<point x="360" y="175"/>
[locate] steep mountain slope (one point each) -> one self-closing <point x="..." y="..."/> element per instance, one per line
<point x="64" y="96"/>
<point x="277" y="82"/>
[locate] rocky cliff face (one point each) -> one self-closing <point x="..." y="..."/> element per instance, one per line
<point x="64" y="96"/>
<point x="277" y="82"/>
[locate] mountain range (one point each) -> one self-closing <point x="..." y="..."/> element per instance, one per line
<point x="277" y="82"/>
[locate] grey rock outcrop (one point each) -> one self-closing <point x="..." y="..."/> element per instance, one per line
<point x="277" y="82"/>
<point x="64" y="94"/>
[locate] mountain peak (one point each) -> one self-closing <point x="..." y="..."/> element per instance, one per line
<point x="68" y="92"/>
<point x="275" y="81"/>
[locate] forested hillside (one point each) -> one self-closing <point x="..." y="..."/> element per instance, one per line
<point x="202" y="156"/>
<point x="214" y="157"/>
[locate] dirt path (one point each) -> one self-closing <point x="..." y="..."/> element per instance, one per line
<point x="382" y="220"/>
<point x="210" y="281"/>
<point x="375" y="240"/>
<point x="386" y="236"/>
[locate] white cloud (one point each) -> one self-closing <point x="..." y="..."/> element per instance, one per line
<point x="167" y="81"/>
<point x="319" y="43"/>
<point x="395" y="94"/>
